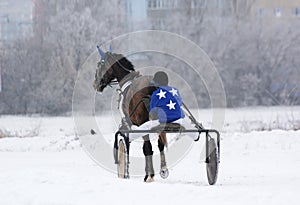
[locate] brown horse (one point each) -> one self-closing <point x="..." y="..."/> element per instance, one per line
<point x="135" y="99"/>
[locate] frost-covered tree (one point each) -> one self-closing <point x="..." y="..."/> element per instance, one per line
<point x="257" y="60"/>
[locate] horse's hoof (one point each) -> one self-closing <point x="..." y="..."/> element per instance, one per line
<point x="164" y="173"/>
<point x="149" y="179"/>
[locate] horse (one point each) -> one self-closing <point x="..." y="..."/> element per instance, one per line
<point x="136" y="90"/>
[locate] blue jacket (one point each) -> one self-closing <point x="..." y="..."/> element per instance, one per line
<point x="166" y="103"/>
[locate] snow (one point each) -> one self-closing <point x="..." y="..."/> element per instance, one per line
<point x="258" y="166"/>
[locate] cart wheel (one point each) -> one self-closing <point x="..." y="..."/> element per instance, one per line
<point x="212" y="162"/>
<point x="123" y="163"/>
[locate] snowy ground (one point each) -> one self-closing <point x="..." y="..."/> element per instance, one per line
<point x="50" y="166"/>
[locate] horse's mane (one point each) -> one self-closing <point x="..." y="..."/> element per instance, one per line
<point x="123" y="61"/>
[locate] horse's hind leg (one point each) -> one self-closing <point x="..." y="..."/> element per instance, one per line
<point x="161" y="147"/>
<point x="147" y="149"/>
<point x="164" y="173"/>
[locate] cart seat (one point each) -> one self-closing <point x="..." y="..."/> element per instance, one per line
<point x="169" y="127"/>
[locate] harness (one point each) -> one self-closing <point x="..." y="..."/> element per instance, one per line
<point x="125" y="84"/>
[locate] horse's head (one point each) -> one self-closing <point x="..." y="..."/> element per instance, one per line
<point x="104" y="73"/>
<point x="112" y="66"/>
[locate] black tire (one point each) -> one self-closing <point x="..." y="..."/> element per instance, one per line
<point x="212" y="162"/>
<point x="123" y="162"/>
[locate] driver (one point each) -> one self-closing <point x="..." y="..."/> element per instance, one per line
<point x="165" y="107"/>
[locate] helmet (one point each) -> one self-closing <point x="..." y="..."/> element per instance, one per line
<point x="161" y="78"/>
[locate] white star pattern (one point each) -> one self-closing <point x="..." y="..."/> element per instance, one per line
<point x="174" y="92"/>
<point x="171" y="105"/>
<point x="161" y="94"/>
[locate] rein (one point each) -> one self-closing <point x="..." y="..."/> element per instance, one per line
<point x="124" y="68"/>
<point x="144" y="100"/>
<point x="118" y="62"/>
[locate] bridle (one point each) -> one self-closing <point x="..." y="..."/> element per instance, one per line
<point x="102" y="64"/>
<point x="118" y="62"/>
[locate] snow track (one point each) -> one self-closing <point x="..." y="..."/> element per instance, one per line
<point x="256" y="168"/>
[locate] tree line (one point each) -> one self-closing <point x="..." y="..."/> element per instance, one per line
<point x="256" y="58"/>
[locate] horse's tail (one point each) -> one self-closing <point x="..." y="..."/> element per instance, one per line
<point x="163" y="138"/>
